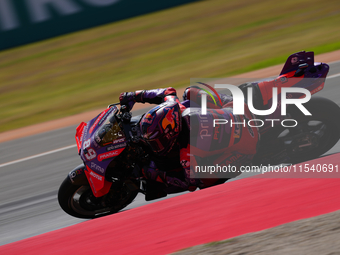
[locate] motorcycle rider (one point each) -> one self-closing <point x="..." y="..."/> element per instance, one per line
<point x="166" y="130"/>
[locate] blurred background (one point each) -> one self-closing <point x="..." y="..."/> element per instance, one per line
<point x="59" y="58"/>
<point x="76" y="71"/>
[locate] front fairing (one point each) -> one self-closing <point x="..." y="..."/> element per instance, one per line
<point x="97" y="154"/>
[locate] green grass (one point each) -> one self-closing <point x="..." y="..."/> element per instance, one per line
<point x="216" y="38"/>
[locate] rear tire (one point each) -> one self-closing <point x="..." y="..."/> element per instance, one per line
<point x="327" y="113"/>
<point x="313" y="136"/>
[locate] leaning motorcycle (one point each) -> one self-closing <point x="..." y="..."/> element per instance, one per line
<point x="113" y="154"/>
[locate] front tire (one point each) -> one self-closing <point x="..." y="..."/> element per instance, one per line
<point x="79" y="201"/>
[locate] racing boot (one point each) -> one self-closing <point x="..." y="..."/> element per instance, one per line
<point x="170" y="184"/>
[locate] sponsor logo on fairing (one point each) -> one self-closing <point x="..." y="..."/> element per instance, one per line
<point x="119" y="140"/>
<point x="109" y="154"/>
<point x="73" y="174"/>
<point x="104" y="117"/>
<point x="97" y="168"/>
<point x="97" y="121"/>
<point x="114" y="147"/>
<point x="98" y="177"/>
<point x="84" y="133"/>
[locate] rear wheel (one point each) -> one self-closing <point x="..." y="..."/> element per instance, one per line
<point x="313" y="136"/>
<point x="79" y="201"/>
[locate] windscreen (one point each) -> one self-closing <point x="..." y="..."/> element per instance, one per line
<point x="109" y="131"/>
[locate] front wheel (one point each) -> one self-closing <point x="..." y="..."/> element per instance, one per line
<point x="79" y="201"/>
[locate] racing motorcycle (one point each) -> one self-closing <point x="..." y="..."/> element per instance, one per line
<point x="113" y="153"/>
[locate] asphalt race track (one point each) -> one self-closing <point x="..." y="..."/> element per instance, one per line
<point x="32" y="169"/>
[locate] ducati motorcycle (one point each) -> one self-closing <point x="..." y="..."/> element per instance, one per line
<point x="113" y="153"/>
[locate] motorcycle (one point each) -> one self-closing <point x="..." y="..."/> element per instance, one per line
<point x="113" y="153"/>
<point x="314" y="134"/>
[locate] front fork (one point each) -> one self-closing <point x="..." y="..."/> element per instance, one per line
<point x="77" y="176"/>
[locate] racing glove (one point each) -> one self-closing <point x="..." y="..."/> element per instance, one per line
<point x="130" y="98"/>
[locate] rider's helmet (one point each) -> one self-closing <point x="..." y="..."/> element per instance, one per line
<point x="161" y="126"/>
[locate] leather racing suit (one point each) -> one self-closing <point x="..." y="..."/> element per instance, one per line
<point x="228" y="145"/>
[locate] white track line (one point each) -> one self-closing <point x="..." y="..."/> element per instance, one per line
<point x="333" y="76"/>
<point x="38" y="155"/>
<point x="334" y="62"/>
